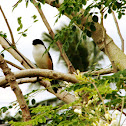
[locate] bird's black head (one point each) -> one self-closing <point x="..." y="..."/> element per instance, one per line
<point x="37" y="41"/>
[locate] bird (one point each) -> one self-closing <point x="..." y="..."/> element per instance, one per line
<point x="42" y="58"/>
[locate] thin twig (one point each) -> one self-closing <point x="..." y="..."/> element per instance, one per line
<point x="99" y="96"/>
<point x="102" y="13"/>
<point x="12" y="37"/>
<point x="63" y="54"/>
<point x="99" y="72"/>
<point x="118" y="29"/>
<point x="121" y="111"/>
<point x="14" y="65"/>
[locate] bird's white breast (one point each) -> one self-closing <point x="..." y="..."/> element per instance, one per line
<point x="40" y="59"/>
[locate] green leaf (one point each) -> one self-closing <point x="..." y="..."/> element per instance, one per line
<point x="114" y="7"/>
<point x="19" y="20"/>
<point x="88" y="33"/>
<point x="109" y="11"/>
<point x="84" y="2"/>
<point x="105" y="16"/>
<point x="39" y="5"/>
<point x="35" y="21"/>
<point x="69" y="10"/>
<point x="79" y="21"/>
<point x="24" y="35"/>
<point x="27" y="101"/>
<point x="57" y="1"/>
<point x="119" y="15"/>
<point x="87" y="11"/>
<point x="34" y="16"/>
<point x="4" y="109"/>
<point x="92" y="27"/>
<point x="108" y="2"/>
<point x="118" y="5"/>
<point x="27" y="3"/>
<point x="74" y="28"/>
<point x="43" y="1"/>
<point x="20" y="112"/>
<point x="18" y="29"/>
<point x="10" y="107"/>
<point x="33" y="101"/>
<point x="95" y="18"/>
<point x="31" y="1"/>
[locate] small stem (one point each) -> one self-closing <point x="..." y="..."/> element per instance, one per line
<point x="12" y="37"/>
<point x="121" y="111"/>
<point x="14" y="65"/>
<point x="118" y="29"/>
<point x="99" y="96"/>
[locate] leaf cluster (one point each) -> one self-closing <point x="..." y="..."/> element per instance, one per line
<point x="3" y="34"/>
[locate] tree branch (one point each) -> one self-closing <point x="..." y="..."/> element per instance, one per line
<point x="16" y="54"/>
<point x="118" y="29"/>
<point x="42" y="73"/>
<point x="64" y="96"/>
<point x="12" y="37"/>
<point x="63" y="54"/>
<point x="10" y="78"/>
<point x="99" y="72"/>
<point x="14" y="65"/>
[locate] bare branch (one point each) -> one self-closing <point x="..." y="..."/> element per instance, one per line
<point x="99" y="72"/>
<point x="14" y="65"/>
<point x="118" y="29"/>
<point x="42" y="73"/>
<point x="12" y="37"/>
<point x="10" y="78"/>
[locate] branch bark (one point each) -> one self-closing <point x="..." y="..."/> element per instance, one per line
<point x="41" y="73"/>
<point x="64" y="96"/>
<point x="10" y="78"/>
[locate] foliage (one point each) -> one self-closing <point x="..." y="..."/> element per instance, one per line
<point x="91" y="112"/>
<point x="101" y="98"/>
<point x="81" y="51"/>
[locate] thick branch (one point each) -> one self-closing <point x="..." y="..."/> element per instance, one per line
<point x="10" y="78"/>
<point x="42" y="73"/>
<point x="63" y="54"/>
<point x="51" y="74"/>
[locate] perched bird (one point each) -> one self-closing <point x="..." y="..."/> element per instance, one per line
<point x="43" y="60"/>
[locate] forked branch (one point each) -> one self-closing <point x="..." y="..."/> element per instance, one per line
<point x="10" y="78"/>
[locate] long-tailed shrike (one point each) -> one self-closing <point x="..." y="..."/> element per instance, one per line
<point x="43" y="61"/>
